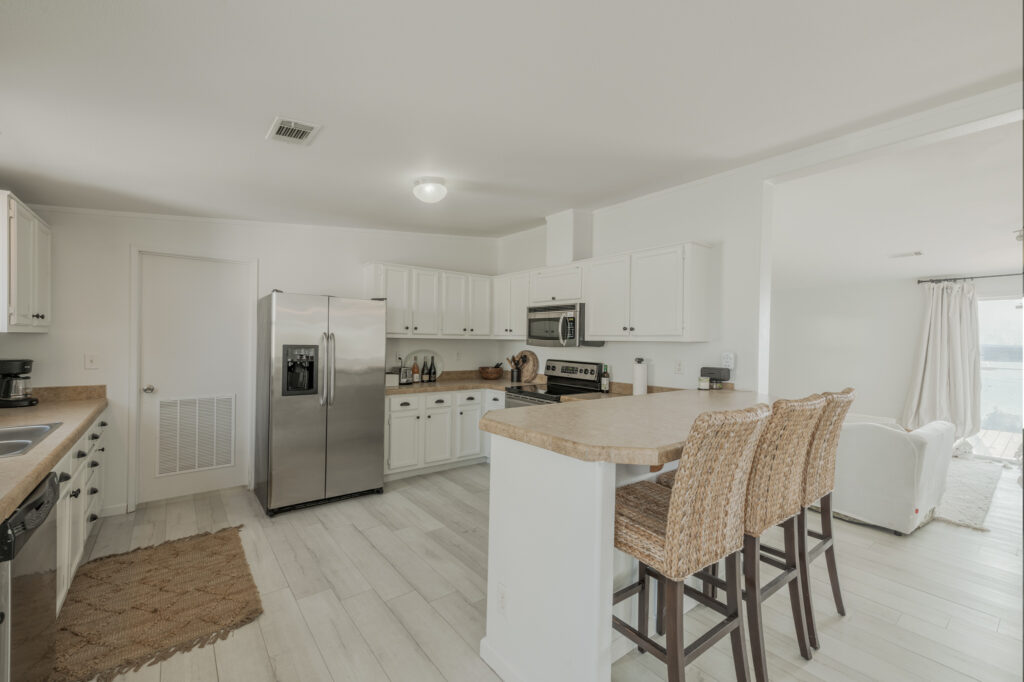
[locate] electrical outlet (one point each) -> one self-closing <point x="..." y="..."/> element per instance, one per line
<point x="729" y="360"/>
<point x="91" y="362"/>
<point x="458" y="355"/>
<point x="679" y="367"/>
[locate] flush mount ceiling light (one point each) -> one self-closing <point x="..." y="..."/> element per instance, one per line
<point x="429" y="190"/>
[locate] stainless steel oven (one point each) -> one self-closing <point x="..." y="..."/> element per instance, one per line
<point x="556" y="325"/>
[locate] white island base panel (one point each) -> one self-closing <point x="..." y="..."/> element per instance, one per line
<point x="552" y="565"/>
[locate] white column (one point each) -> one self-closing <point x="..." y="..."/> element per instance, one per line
<point x="549" y="566"/>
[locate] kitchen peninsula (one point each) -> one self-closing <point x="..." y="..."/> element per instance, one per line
<point x="551" y="557"/>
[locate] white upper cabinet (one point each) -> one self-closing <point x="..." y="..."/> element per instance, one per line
<point x="656" y="291"/>
<point x="556" y="284"/>
<point x="454" y="303"/>
<point x="479" y="306"/>
<point x="25" y="286"/>
<point x="511" y="295"/>
<point x="660" y="294"/>
<point x="606" y="291"/>
<point x="395" y="285"/>
<point x="425" y="299"/>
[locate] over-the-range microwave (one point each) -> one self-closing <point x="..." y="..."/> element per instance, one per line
<point x="557" y="325"/>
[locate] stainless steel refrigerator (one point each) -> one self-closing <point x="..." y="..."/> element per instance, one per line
<point x="319" y="399"/>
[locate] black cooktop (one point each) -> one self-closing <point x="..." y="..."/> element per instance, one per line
<point x="565" y="377"/>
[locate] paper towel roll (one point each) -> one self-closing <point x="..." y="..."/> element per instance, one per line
<point x="639" y="377"/>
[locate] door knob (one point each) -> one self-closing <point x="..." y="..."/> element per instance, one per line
<point x="150" y="388"/>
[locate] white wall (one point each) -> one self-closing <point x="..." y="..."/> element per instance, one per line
<point x="522" y="250"/>
<point x="862" y="335"/>
<point x="91" y="286"/>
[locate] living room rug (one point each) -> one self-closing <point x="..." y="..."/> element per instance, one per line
<point x="970" y="487"/>
<point x="129" y="610"/>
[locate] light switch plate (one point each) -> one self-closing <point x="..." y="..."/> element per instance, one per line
<point x="91" y="362"/>
<point x="729" y="360"/>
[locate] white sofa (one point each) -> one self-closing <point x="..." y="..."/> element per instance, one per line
<point x="888" y="477"/>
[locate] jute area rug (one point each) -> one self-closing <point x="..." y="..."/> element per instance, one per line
<point x="139" y="608"/>
<point x="970" y="487"/>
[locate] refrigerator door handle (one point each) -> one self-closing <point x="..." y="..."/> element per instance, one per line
<point x="331" y="348"/>
<point x="324" y="362"/>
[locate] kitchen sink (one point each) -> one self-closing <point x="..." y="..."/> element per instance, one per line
<point x="17" y="440"/>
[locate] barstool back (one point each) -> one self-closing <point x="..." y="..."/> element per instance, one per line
<point x="775" y="489"/>
<point x="705" y="515"/>
<point x="820" y="477"/>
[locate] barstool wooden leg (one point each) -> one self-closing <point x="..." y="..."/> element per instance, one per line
<point x="796" y="597"/>
<point x="733" y="600"/>
<point x="659" y="617"/>
<point x="709" y="589"/>
<point x="676" y="656"/>
<point x="645" y="598"/>
<point x="830" y="553"/>
<point x="805" y="577"/>
<point x="752" y="586"/>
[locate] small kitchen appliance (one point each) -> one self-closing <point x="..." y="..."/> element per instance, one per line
<point x="565" y="377"/>
<point x="15" y="386"/>
<point x="557" y="326"/>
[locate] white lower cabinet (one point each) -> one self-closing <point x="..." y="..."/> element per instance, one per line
<point x="467" y="430"/>
<point x="430" y="429"/>
<point x="437" y="435"/>
<point x="80" y="503"/>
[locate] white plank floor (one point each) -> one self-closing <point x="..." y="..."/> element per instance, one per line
<point x="393" y="588"/>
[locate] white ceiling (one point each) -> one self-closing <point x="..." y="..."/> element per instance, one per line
<point x="528" y="107"/>
<point x="958" y="202"/>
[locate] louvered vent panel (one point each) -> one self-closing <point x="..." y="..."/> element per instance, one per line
<point x="196" y="434"/>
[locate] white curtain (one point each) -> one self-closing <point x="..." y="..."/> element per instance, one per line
<point x="947" y="379"/>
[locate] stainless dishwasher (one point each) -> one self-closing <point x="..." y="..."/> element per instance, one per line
<point x="28" y="587"/>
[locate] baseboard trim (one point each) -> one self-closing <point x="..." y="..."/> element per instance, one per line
<point x="114" y="510"/>
<point x="443" y="466"/>
<point x="498" y="664"/>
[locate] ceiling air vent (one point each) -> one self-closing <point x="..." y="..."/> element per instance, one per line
<point x="293" y="132"/>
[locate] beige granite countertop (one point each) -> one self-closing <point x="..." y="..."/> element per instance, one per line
<point x="458" y="384"/>
<point x="645" y="429"/>
<point x="20" y="475"/>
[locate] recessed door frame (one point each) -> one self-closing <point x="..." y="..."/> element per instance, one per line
<point x="135" y="358"/>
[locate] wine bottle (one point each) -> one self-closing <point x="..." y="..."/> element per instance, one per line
<point x="433" y="369"/>
<point x="415" y="369"/>
<point x="606" y="381"/>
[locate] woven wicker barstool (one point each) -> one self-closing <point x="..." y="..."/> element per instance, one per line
<point x="775" y="495"/>
<point x="819" y="481"/>
<point x="675" y="532"/>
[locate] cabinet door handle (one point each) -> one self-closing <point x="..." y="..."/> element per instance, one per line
<point x="64" y="477"/>
<point x="632" y="329"/>
<point x="403" y="404"/>
<point x="101" y="450"/>
<point x="417" y="416"/>
<point x="103" y="424"/>
<point x="415" y="328"/>
<point x="471" y="329"/>
<point x="463" y="329"/>
<point x="470" y="398"/>
<point x="460" y="414"/>
<point x="552" y="298"/>
<point x="428" y="416"/>
<point x="625" y="329"/>
<point x="406" y="326"/>
<point x="94" y="436"/>
<point x="439" y="401"/>
<point x="75" y="493"/>
<point x="93" y="464"/>
<point x="80" y="454"/>
<point x="93" y="491"/>
<point x="92" y="517"/>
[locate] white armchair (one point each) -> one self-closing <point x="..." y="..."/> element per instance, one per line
<point x="888" y="477"/>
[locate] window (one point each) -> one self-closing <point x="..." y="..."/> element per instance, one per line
<point x="1000" y="330"/>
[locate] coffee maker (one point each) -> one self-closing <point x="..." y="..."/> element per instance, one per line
<point x="15" y="387"/>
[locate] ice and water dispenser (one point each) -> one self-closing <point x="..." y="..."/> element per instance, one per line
<point x="300" y="370"/>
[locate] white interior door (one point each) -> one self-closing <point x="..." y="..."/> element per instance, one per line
<point x="195" y="331"/>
